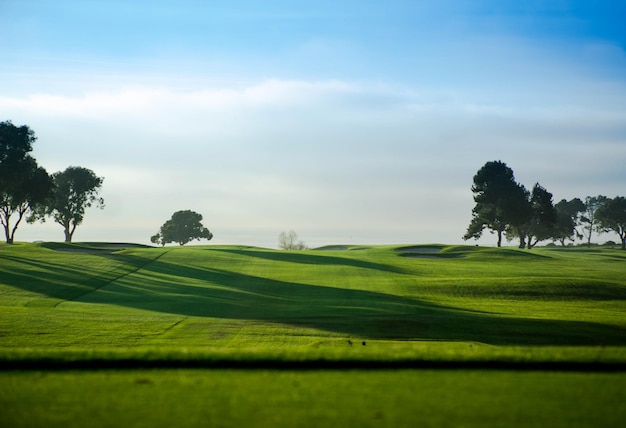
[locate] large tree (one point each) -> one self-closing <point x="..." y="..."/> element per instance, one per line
<point x="23" y="183"/>
<point x="543" y="217"/>
<point x="500" y="201"/>
<point x="74" y="190"/>
<point x="568" y="218"/>
<point x="534" y="220"/>
<point x="183" y="227"/>
<point x="611" y="216"/>
<point x="592" y="203"/>
<point x="520" y="215"/>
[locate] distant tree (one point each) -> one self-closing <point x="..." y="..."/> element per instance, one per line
<point x="23" y="183"/>
<point x="568" y="218"/>
<point x="611" y="216"/>
<point x="543" y="216"/>
<point x="183" y="227"/>
<point x="592" y="203"/>
<point x="520" y="215"/>
<point x="289" y="241"/>
<point x="74" y="190"/>
<point x="500" y="201"/>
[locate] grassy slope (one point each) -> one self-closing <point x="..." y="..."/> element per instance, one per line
<point x="250" y="303"/>
<point x="216" y="304"/>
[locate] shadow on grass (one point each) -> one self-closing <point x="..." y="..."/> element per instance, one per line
<point x="67" y="281"/>
<point x="156" y="285"/>
<point x="312" y="258"/>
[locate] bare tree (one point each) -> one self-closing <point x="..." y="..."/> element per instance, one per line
<point x="289" y="241"/>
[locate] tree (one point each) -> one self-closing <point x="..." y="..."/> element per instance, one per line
<point x="592" y="203"/>
<point x="611" y="216"/>
<point x="500" y="201"/>
<point x="183" y="227"/>
<point x="74" y="190"/>
<point x="156" y="239"/>
<point x="520" y="215"/>
<point x="568" y="217"/>
<point x="289" y="241"/>
<point x="543" y="218"/>
<point x="23" y="183"/>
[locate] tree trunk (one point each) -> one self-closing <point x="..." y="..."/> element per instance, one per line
<point x="7" y="234"/>
<point x="499" y="238"/>
<point x="69" y="233"/>
<point x="66" y="230"/>
<point x="11" y="237"/>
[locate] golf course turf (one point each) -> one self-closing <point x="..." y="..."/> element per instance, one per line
<point x="403" y="335"/>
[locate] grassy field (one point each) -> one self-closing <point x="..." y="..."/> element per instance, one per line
<point x="435" y="335"/>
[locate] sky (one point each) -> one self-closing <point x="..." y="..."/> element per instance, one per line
<point x="349" y="122"/>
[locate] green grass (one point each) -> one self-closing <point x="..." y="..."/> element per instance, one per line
<point x="287" y="398"/>
<point x="223" y="298"/>
<point x="95" y="305"/>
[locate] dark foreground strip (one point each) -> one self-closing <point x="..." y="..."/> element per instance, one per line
<point x="94" y="364"/>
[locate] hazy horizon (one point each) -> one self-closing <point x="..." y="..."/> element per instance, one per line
<point x="359" y="122"/>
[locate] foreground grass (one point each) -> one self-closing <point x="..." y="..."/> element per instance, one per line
<point x="260" y="398"/>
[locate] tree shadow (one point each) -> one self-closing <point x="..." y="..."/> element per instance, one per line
<point x="157" y="285"/>
<point x="312" y="258"/>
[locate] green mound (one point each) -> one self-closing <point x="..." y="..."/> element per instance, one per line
<point x="229" y="301"/>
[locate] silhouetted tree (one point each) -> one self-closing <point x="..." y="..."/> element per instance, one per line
<point x="289" y="241"/>
<point x="520" y="215"/>
<point x="592" y="203"/>
<point x="500" y="201"/>
<point x="537" y="222"/>
<point x="23" y="183"/>
<point x="543" y="216"/>
<point x="183" y="227"/>
<point x="74" y="190"/>
<point x="568" y="217"/>
<point x="611" y="216"/>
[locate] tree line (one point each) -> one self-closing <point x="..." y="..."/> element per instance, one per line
<point x="503" y="206"/>
<point x="28" y="192"/>
<point x="508" y="209"/>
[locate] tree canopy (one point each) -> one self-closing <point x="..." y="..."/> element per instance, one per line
<point x="568" y="217"/>
<point x="499" y="201"/>
<point x="23" y="183"/>
<point x="74" y="190"/>
<point x="611" y="216"/>
<point x="183" y="227"/>
<point x="543" y="216"/>
<point x="592" y="203"/>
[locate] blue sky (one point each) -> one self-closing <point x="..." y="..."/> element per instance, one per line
<point x="347" y="121"/>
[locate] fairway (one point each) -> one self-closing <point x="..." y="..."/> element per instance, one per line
<point x="375" y="316"/>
